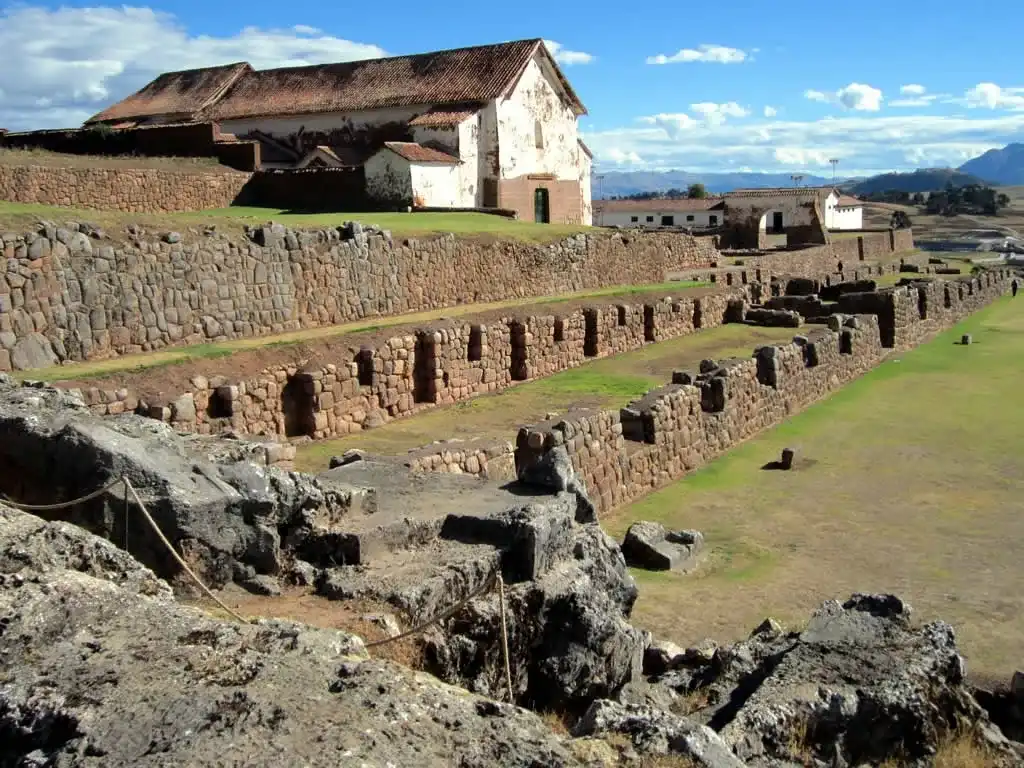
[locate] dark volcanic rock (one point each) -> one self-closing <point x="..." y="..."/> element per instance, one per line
<point x="649" y="545"/>
<point x="98" y="674"/>
<point x="218" y="507"/>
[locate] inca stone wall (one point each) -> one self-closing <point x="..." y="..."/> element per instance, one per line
<point x="366" y="380"/>
<point x="142" y="190"/>
<point x="70" y="293"/>
<point x="622" y="455"/>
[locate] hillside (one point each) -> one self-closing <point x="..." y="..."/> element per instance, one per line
<point x="620" y="183"/>
<point x="921" y="180"/>
<point x="1001" y="166"/>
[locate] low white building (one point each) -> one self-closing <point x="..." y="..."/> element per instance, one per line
<point x="847" y="213"/>
<point x="696" y="213"/>
<point x="841" y="212"/>
<point x="504" y="116"/>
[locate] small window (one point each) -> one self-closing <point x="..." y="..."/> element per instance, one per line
<point x="668" y="221"/>
<point x="713" y="220"/>
<point x="538" y="135"/>
<point x="634" y="219"/>
<point x="689" y="217"/>
<point x="650" y="219"/>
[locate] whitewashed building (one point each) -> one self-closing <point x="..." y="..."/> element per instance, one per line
<point x="846" y="213"/>
<point x="659" y="213"/>
<point x="841" y="212"/>
<point x="504" y="118"/>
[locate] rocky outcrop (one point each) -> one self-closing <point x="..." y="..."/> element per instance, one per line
<point x="115" y="673"/>
<point x="222" y="510"/>
<point x="859" y="685"/>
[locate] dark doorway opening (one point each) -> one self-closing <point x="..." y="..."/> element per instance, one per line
<point x="541" y="206"/>
<point x="297" y="406"/>
<point x="777" y="221"/>
<point x="590" y="333"/>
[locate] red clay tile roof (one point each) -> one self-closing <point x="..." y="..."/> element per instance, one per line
<point x="458" y="76"/>
<point x="444" y="116"/>
<point x="846" y="201"/>
<point x="417" y="153"/>
<point x="661" y="204"/>
<point x="780" y="192"/>
<point x="175" y="93"/>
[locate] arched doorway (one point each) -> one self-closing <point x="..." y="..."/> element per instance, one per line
<point x="541" y="206"/>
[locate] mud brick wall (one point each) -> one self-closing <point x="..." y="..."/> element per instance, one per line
<point x="70" y="293"/>
<point x="148" y="190"/>
<point x="674" y="429"/>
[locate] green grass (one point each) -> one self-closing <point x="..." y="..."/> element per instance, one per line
<point x="402" y="225"/>
<point x="915" y="488"/>
<point x="610" y="382"/>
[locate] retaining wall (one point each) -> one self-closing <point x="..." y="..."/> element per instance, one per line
<point x="357" y="385"/>
<point x="73" y="295"/>
<point x="624" y="454"/>
<point x="144" y="190"/>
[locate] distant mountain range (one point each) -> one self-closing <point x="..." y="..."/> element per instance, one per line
<point x="620" y="183"/>
<point x="996" y="167"/>
<point x="1001" y="166"/>
<point x="921" y="180"/>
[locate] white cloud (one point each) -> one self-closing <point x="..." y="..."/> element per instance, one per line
<point x="672" y="124"/>
<point x="63" y="65"/>
<point x="567" y="57"/>
<point x="864" y="142"/>
<point x="913" y="90"/>
<point x="817" y="96"/>
<point x="620" y="157"/>
<point x="992" y="96"/>
<point x="716" y="54"/>
<point x="770" y="112"/>
<point x="716" y="114"/>
<point x="860" y="97"/>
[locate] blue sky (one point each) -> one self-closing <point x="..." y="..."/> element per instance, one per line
<point x="761" y="86"/>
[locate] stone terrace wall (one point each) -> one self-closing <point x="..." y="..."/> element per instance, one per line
<point x="66" y="295"/>
<point x="361" y="385"/>
<point x="622" y="455"/>
<point x="148" y="190"/>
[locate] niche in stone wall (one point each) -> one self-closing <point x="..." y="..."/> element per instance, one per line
<point x="947" y="298"/>
<point x="298" y="407"/>
<point x="219" y="406"/>
<point x="518" y="368"/>
<point x="424" y="367"/>
<point x="590" y="333"/>
<point x="475" y="349"/>
<point x="846" y="343"/>
<point x="698" y="315"/>
<point x="364" y="366"/>
<point x="922" y="303"/>
<point x="622" y="315"/>
<point x="649" y="333"/>
<point x="559" y="330"/>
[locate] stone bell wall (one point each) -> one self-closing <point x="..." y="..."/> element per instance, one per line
<point x="624" y="454"/>
<point x="72" y="293"/>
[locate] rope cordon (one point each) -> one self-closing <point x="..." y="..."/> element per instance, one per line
<point x="494" y="581"/>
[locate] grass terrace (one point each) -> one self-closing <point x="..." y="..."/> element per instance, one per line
<point x="911" y="480"/>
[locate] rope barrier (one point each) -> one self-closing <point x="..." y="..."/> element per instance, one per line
<point x="494" y="581"/>
<point x="130" y="489"/>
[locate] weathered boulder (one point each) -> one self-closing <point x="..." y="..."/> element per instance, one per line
<point x="649" y="545"/>
<point x="859" y="685"/>
<point x="216" y="505"/>
<point x="553" y="471"/>
<point x="656" y="732"/>
<point x="99" y="673"/>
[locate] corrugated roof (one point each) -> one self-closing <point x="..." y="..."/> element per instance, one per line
<point x="175" y="93"/>
<point x="476" y="74"/>
<point x="445" y="116"/>
<point x="657" y="204"/>
<point x="417" y="153"/>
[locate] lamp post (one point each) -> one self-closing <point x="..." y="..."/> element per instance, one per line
<point x="834" y="161"/>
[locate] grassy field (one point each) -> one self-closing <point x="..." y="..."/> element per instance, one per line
<point x="610" y="382"/>
<point x="914" y="485"/>
<point x="174" y="355"/>
<point x="402" y="225"/>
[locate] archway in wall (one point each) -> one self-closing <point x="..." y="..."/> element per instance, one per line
<point x="772" y="226"/>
